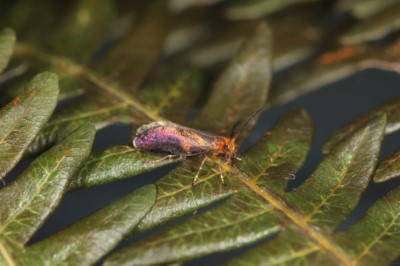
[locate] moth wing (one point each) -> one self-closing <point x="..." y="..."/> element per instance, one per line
<point x="153" y="125"/>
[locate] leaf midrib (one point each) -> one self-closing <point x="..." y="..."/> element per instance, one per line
<point x="6" y="255"/>
<point x="42" y="182"/>
<point x="237" y="97"/>
<point x="273" y="158"/>
<point x="104" y="157"/>
<point x="26" y="106"/>
<point x="83" y="237"/>
<point x="167" y="99"/>
<point x="329" y="196"/>
<point x="76" y="70"/>
<point x="295" y="255"/>
<point x="204" y="179"/>
<point x="85" y="115"/>
<point x="264" y="210"/>
<point x="376" y="239"/>
<point x="296" y="218"/>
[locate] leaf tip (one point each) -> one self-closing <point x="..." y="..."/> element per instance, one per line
<point x="336" y="139"/>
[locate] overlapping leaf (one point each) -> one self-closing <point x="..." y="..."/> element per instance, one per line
<point x="377" y="234"/>
<point x="371" y="241"/>
<point x="143" y="46"/>
<point x="290" y="247"/>
<point x="251" y="65"/>
<point x="257" y="8"/>
<point x="243" y="218"/>
<point x="88" y="240"/>
<point x="391" y="109"/>
<point x="296" y="42"/>
<point x="116" y="163"/>
<point x="102" y="110"/>
<point x="293" y="42"/>
<point x="90" y="108"/>
<point x="164" y="94"/>
<point x="243" y="86"/>
<point x="388" y="168"/>
<point x="253" y="205"/>
<point x="33" y="196"/>
<point x="21" y="119"/>
<point x="328" y="68"/>
<point x="332" y="192"/>
<point x="70" y="69"/>
<point x="324" y="217"/>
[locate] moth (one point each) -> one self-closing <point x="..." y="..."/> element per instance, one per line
<point x="176" y="140"/>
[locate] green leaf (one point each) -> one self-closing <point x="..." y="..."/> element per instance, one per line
<point x="116" y="163"/>
<point x="364" y="9"/>
<point x="7" y="41"/>
<point x="326" y="198"/>
<point x="253" y="63"/>
<point x="111" y="90"/>
<point x="316" y="217"/>
<point x="257" y="8"/>
<point x="223" y="43"/>
<point x="242" y="218"/>
<point x="102" y="111"/>
<point x="21" y="119"/>
<point x="391" y="109"/>
<point x="328" y="68"/>
<point x="290" y="247"/>
<point x="133" y="77"/>
<point x="130" y="61"/>
<point x="292" y="42"/>
<point x="94" y="108"/>
<point x="333" y="190"/>
<point x="29" y="200"/>
<point x="164" y="95"/>
<point x="377" y="233"/>
<point x="242" y="87"/>
<point x="176" y="195"/>
<point x="388" y="169"/>
<point x="89" y="239"/>
<point x="276" y="158"/>
<point x="81" y="30"/>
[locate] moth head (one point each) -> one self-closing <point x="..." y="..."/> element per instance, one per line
<point x="227" y="148"/>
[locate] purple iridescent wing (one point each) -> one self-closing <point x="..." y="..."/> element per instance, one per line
<point x="169" y="138"/>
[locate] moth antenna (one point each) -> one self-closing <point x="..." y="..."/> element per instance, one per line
<point x="238" y="129"/>
<point x="235" y="126"/>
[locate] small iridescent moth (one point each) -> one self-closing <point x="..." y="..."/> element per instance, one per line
<point x="179" y="141"/>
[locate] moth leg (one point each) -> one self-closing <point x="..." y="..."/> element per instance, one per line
<point x="198" y="171"/>
<point x="221" y="175"/>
